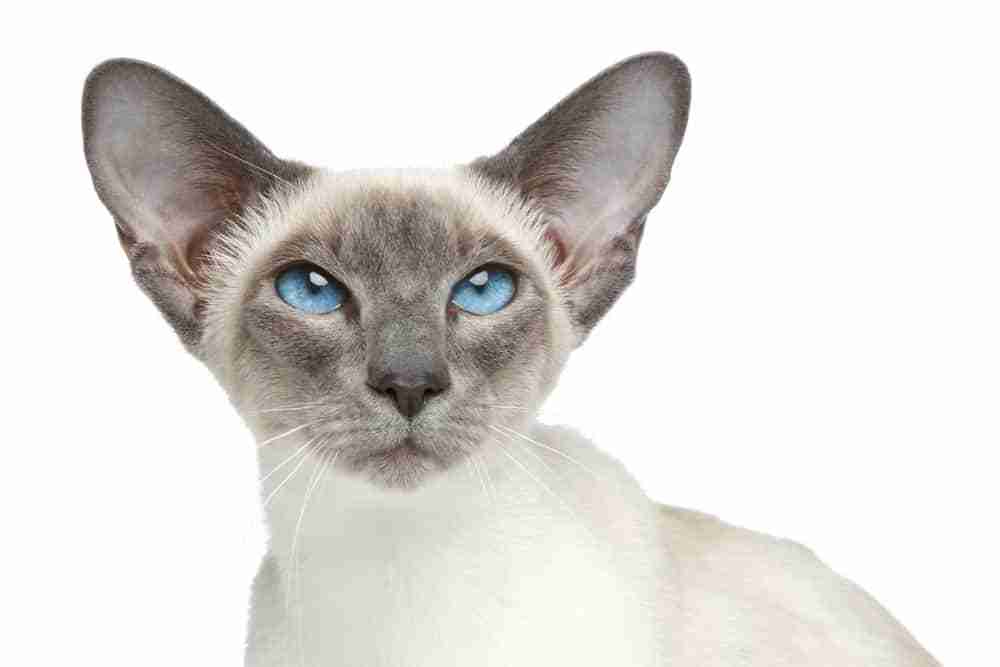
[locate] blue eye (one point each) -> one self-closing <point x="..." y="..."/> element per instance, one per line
<point x="309" y="288"/>
<point x="486" y="290"/>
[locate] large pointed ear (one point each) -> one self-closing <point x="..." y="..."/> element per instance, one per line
<point x="173" y="169"/>
<point x="596" y="164"/>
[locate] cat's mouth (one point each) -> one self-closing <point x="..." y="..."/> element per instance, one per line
<point x="400" y="465"/>
<point x="404" y="451"/>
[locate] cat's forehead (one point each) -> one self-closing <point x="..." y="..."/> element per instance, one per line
<point x="380" y="224"/>
<point x="382" y="229"/>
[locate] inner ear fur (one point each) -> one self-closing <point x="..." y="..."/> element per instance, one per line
<point x="173" y="169"/>
<point x="596" y="164"/>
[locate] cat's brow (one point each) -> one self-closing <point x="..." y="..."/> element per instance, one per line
<point x="320" y="249"/>
<point x="467" y="249"/>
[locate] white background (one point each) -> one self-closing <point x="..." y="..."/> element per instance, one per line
<point x="811" y="348"/>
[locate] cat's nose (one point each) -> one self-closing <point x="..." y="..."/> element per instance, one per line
<point x="410" y="391"/>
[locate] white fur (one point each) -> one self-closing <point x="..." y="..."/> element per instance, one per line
<point x="467" y="571"/>
<point x="479" y="537"/>
<point x="585" y="572"/>
<point x="539" y="550"/>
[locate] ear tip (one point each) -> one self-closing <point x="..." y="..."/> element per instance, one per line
<point x="667" y="67"/>
<point x="673" y="75"/>
<point x="666" y="60"/>
<point x="659" y="70"/>
<point x="116" y="68"/>
<point x="115" y="80"/>
<point x="103" y="76"/>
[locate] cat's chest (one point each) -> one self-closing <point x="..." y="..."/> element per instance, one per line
<point x="525" y="592"/>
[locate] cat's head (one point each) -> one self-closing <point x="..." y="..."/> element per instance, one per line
<point x="398" y="317"/>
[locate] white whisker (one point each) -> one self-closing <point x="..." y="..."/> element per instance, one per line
<point x="285" y="462"/>
<point x="310" y="487"/>
<point x="537" y="481"/>
<point x="319" y="475"/>
<point x="290" y="408"/>
<point x="550" y="449"/>
<point x="503" y="407"/>
<point x="293" y="558"/>
<point x="270" y="497"/>
<point x="470" y="465"/>
<point x="474" y="465"/>
<point x="248" y="163"/>
<point x="532" y="453"/>
<point x="286" y="433"/>
<point x="489" y="479"/>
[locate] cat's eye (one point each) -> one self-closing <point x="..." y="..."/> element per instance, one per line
<point x="309" y="288"/>
<point x="486" y="290"/>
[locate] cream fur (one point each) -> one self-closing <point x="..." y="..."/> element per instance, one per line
<point x="589" y="572"/>
<point x="480" y="566"/>
<point x="543" y="553"/>
<point x="418" y="514"/>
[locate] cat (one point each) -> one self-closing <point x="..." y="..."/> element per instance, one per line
<point x="388" y="337"/>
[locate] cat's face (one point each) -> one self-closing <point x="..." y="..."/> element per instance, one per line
<point x="353" y="303"/>
<point x="398" y="318"/>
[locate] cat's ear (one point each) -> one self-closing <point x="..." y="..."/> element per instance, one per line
<point x="172" y="168"/>
<point x="596" y="164"/>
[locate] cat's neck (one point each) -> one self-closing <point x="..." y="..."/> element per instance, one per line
<point x="321" y="511"/>
<point x="548" y="474"/>
<point x="563" y="517"/>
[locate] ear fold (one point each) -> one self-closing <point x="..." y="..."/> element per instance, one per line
<point x="172" y="168"/>
<point x="597" y="163"/>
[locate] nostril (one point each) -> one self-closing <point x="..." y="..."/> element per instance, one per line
<point x="438" y="383"/>
<point x="410" y="388"/>
<point x="391" y="393"/>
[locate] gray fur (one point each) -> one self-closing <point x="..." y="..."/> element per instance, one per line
<point x="399" y="253"/>
<point x="598" y="162"/>
<point x="577" y="569"/>
<point x="172" y="168"/>
<point x="182" y="179"/>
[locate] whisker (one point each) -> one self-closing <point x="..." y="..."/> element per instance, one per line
<point x="283" y="463"/>
<point x="291" y="408"/>
<point x="293" y="561"/>
<point x="310" y="487"/>
<point x="473" y="471"/>
<point x="489" y="480"/>
<point x="540" y="483"/>
<point x="325" y="464"/>
<point x="502" y="407"/>
<point x="248" y="163"/>
<point x="550" y="449"/>
<point x="528" y="450"/>
<point x="474" y="465"/>
<point x="270" y="497"/>
<point x="287" y="433"/>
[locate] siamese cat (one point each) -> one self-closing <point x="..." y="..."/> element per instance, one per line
<point x="388" y="337"/>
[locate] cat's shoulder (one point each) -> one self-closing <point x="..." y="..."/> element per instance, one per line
<point x="754" y="599"/>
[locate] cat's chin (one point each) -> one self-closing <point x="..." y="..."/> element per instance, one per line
<point x="402" y="466"/>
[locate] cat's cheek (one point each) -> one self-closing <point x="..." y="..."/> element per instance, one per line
<point x="312" y="345"/>
<point x="351" y="313"/>
<point x="493" y="344"/>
